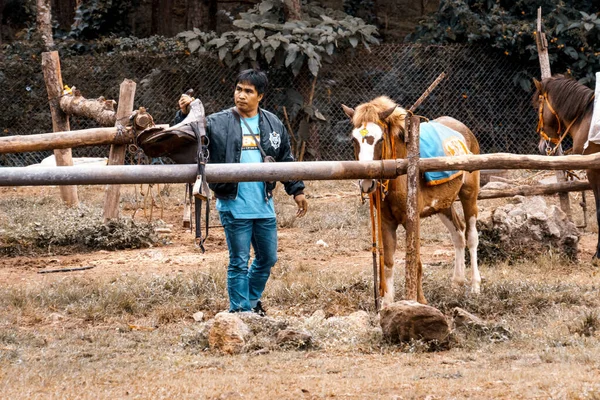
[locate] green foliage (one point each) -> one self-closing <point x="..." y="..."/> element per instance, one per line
<point x="263" y="37"/>
<point x="572" y="29"/>
<point x="96" y="18"/>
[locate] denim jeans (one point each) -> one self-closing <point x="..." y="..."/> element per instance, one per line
<point x="246" y="285"/>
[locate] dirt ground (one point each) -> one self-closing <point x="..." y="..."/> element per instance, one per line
<point x="49" y="349"/>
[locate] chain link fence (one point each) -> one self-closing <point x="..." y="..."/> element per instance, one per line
<point x="478" y="90"/>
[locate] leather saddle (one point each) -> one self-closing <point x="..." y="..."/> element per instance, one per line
<point x="159" y="142"/>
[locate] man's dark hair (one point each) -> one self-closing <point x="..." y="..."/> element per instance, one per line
<point x="254" y="77"/>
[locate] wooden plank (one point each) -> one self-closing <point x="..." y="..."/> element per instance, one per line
<point x="542" y="47"/>
<point x="60" y="121"/>
<point x="537" y="190"/>
<point x="117" y="151"/>
<point x="413" y="221"/>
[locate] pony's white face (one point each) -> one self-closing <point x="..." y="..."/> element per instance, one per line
<point x="366" y="138"/>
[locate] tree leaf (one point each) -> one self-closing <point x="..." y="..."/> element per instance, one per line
<point x="571" y="52"/>
<point x="320" y="116"/>
<point x="329" y="47"/>
<point x="294" y="97"/>
<point x="194" y="44"/>
<point x="303" y="130"/>
<point x="223" y="51"/>
<point x="313" y="66"/>
<point x="291" y="57"/>
<point x="187" y="35"/>
<point x="259" y="33"/>
<point x="243" y="41"/>
<point x="265" y="6"/>
<point x="243" y="24"/>
<point x="274" y="43"/>
<point x="269" y="53"/>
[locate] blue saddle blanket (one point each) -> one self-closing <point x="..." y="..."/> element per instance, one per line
<point x="437" y="140"/>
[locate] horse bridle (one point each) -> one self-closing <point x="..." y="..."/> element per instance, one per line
<point x="543" y="100"/>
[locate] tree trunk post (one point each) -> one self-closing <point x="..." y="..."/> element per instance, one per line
<point x="542" y="47"/>
<point x="60" y="120"/>
<point x="117" y="151"/>
<point x="44" y="24"/>
<point x="413" y="223"/>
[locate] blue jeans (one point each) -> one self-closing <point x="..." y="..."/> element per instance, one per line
<point x="246" y="285"/>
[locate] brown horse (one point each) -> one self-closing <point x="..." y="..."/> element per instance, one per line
<point x="565" y="107"/>
<point x="379" y="126"/>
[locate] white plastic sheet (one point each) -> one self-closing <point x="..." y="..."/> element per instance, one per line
<point x="594" y="134"/>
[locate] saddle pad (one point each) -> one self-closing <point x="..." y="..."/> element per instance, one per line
<point x="437" y="140"/>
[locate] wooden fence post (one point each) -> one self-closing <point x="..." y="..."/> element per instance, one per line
<point x="413" y="223"/>
<point x="542" y="47"/>
<point x="60" y="120"/>
<point x="117" y="151"/>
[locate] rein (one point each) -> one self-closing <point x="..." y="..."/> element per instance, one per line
<point x="543" y="98"/>
<point x="388" y="151"/>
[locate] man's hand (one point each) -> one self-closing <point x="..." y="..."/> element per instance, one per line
<point x="184" y="103"/>
<point x="302" y="205"/>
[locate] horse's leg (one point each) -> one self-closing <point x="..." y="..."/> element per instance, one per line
<point x="388" y="229"/>
<point x="456" y="229"/>
<point x="420" y="296"/>
<point x="468" y="199"/>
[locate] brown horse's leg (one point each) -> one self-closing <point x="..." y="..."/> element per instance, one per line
<point x="420" y="295"/>
<point x="468" y="198"/>
<point x="456" y="229"/>
<point x="389" y="228"/>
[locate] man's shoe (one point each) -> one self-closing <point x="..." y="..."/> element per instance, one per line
<point x="259" y="310"/>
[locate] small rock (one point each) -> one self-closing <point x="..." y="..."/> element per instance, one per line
<point x="199" y="316"/>
<point x="321" y="242"/>
<point x="298" y="339"/>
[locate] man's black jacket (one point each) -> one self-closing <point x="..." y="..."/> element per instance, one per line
<point x="225" y="134"/>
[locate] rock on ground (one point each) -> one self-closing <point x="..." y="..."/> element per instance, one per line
<point x="526" y="227"/>
<point x="407" y="320"/>
<point x="228" y="333"/>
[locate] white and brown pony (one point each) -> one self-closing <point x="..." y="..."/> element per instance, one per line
<point x="379" y="127"/>
<point x="565" y="107"/>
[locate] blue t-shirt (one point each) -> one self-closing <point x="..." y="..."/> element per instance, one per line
<point x="250" y="202"/>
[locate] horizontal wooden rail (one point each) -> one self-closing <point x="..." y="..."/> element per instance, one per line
<point x="317" y="170"/>
<point x="61" y="140"/>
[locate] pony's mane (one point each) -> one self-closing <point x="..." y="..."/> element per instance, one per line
<point x="569" y="98"/>
<point x="369" y="112"/>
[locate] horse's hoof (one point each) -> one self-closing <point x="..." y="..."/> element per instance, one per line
<point x="475" y="289"/>
<point x="458" y="285"/>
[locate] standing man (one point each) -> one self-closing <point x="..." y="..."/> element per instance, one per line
<point x="246" y="209"/>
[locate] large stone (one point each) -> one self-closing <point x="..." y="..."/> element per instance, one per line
<point x="525" y="227"/>
<point x="407" y="320"/>
<point x="228" y="333"/>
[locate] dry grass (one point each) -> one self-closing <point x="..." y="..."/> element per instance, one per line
<point x="71" y="336"/>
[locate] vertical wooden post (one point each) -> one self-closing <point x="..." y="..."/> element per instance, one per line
<point x="413" y="223"/>
<point x="60" y="120"/>
<point x="117" y="151"/>
<point x="542" y="47"/>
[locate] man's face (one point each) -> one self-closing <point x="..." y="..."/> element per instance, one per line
<point x="246" y="99"/>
